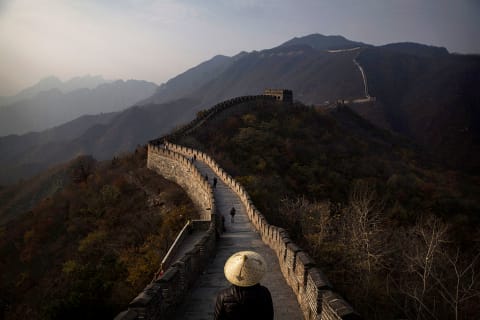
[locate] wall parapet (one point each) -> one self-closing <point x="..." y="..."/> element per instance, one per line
<point x="315" y="294"/>
<point x="161" y="297"/>
<point x="174" y="248"/>
<point x="208" y="114"/>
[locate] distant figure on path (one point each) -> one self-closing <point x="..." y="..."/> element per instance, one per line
<point x="245" y="298"/>
<point x="232" y="214"/>
<point x="214" y="182"/>
<point x="206" y="177"/>
<point x="194" y="157"/>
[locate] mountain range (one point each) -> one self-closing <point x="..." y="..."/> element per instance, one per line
<point x="304" y="65"/>
<point x="64" y="102"/>
<point x="420" y="91"/>
<point x="52" y="82"/>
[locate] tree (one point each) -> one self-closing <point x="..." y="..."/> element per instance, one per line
<point x="364" y="225"/>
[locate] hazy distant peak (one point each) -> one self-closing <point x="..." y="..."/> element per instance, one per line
<point x="190" y="80"/>
<point x="293" y="48"/>
<point x="44" y="84"/>
<point x="220" y="57"/>
<point x="52" y="82"/>
<point x="48" y="81"/>
<point x="321" y="42"/>
<point x="240" y="55"/>
<point x="53" y="107"/>
<point x="87" y="81"/>
<point x="416" y="49"/>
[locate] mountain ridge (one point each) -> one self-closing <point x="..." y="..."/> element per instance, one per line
<point x="53" y="82"/>
<point x="321" y="42"/>
<point x="317" y="77"/>
<point x="102" y="136"/>
<point x="52" y="107"/>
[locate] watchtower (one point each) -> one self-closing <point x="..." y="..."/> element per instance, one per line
<point x="284" y="95"/>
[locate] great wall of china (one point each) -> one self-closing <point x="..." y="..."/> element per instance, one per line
<point x="315" y="295"/>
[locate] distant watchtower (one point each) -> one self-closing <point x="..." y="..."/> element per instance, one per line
<point x="284" y="95"/>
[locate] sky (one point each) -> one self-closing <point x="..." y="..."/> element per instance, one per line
<point x="156" y="40"/>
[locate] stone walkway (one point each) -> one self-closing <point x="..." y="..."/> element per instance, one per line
<point x="240" y="235"/>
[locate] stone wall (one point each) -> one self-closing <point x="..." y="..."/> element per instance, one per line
<point x="315" y="294"/>
<point x="208" y="114"/>
<point x="178" y="168"/>
<point x="162" y="296"/>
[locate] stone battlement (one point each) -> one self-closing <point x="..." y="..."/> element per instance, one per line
<point x="284" y="95"/>
<point x="315" y="294"/>
<point x="208" y="114"/>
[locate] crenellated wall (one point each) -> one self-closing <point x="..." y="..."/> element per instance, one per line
<point x="178" y="168"/>
<point x="315" y="294"/>
<point x="208" y="114"/>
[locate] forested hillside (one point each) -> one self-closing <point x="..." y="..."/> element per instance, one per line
<point x="396" y="233"/>
<point x="87" y="250"/>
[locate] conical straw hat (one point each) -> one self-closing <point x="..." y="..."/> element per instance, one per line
<point x="245" y="268"/>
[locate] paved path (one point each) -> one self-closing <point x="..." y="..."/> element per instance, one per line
<point x="240" y="235"/>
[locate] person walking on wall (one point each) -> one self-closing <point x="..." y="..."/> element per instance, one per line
<point x="232" y="214"/>
<point x="214" y="182"/>
<point x="206" y="177"/>
<point x="245" y="298"/>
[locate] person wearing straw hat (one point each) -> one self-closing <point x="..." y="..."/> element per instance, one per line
<point x="245" y="298"/>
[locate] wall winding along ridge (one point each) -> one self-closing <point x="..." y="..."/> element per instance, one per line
<point x="207" y="114"/>
<point x="315" y="294"/>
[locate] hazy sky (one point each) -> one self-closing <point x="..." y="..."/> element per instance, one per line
<point x="157" y="39"/>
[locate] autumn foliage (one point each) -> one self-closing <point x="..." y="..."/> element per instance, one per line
<point x="395" y="232"/>
<point x="86" y="251"/>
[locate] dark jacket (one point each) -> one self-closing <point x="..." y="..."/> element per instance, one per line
<point x="250" y="303"/>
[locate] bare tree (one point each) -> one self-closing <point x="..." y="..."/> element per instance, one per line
<point x="365" y="225"/>
<point x="458" y="282"/>
<point x="310" y="219"/>
<point x="306" y="216"/>
<point x="421" y="252"/>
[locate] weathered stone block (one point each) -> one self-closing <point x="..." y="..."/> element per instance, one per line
<point x="303" y="264"/>
<point x="335" y="307"/>
<point x="318" y="279"/>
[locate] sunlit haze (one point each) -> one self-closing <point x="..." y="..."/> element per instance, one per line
<point x="156" y="40"/>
